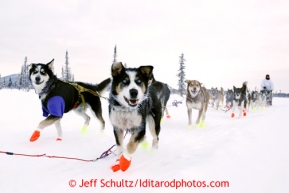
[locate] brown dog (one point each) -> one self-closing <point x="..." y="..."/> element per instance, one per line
<point x="197" y="98"/>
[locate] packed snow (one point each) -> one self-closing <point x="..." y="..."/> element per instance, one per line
<point x="250" y="153"/>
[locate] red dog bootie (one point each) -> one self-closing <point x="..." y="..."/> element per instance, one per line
<point x="232" y="115"/>
<point x="244" y="113"/>
<point x="35" y="136"/>
<point x="124" y="161"/>
<point x="116" y="166"/>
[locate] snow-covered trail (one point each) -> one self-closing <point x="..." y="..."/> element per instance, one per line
<point x="250" y="153"/>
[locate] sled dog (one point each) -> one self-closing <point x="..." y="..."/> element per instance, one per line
<point x="240" y="100"/>
<point x="132" y="103"/>
<point x="254" y="99"/>
<point x="217" y="96"/>
<point x="163" y="93"/>
<point x="197" y="98"/>
<point x="59" y="97"/>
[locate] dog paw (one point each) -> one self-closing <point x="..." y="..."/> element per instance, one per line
<point x="190" y="127"/>
<point x="124" y="162"/>
<point x="84" y="129"/>
<point x="144" y="145"/>
<point x="58" y="139"/>
<point x="115" y="167"/>
<point x="168" y="116"/>
<point x="35" y="136"/>
<point x="197" y="125"/>
<point x="232" y="115"/>
<point x="202" y="125"/>
<point x="244" y="114"/>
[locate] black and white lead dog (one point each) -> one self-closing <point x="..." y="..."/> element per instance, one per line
<point x="132" y="103"/>
<point x="58" y="97"/>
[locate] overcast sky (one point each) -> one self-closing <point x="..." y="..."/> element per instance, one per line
<point x="224" y="42"/>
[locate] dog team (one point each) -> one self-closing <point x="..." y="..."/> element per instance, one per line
<point x="136" y="98"/>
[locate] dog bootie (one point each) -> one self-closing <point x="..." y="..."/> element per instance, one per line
<point x="84" y="129"/>
<point x="35" y="136"/>
<point x="202" y="124"/>
<point x="124" y="161"/>
<point x="116" y="166"/>
<point x="168" y="116"/>
<point x="244" y="113"/>
<point x="144" y="145"/>
<point x="58" y="139"/>
<point x="232" y="115"/>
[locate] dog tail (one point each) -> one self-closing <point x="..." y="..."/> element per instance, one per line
<point x="245" y="86"/>
<point x="103" y="86"/>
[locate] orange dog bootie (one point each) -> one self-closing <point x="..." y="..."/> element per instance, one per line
<point x="116" y="166"/>
<point x="35" y="136"/>
<point x="124" y="162"/>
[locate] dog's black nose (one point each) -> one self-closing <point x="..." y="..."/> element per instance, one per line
<point x="37" y="79"/>
<point x="133" y="93"/>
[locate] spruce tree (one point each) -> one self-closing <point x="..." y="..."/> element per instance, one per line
<point x="181" y="75"/>
<point x="66" y="74"/>
<point x="18" y="85"/>
<point x="10" y="83"/>
<point x="114" y="55"/>
<point x="24" y="79"/>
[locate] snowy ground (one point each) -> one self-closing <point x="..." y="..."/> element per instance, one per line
<point x="250" y="153"/>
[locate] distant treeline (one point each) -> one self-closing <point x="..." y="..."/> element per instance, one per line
<point x="281" y="95"/>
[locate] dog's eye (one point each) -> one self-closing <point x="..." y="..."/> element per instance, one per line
<point x="42" y="73"/>
<point x="124" y="81"/>
<point x="138" y="81"/>
<point x="35" y="72"/>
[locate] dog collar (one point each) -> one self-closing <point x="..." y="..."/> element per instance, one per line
<point x="49" y="85"/>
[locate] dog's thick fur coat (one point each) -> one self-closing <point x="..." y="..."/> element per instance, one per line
<point x="132" y="103"/>
<point x="197" y="98"/>
<point x="58" y="97"/>
<point x="217" y="96"/>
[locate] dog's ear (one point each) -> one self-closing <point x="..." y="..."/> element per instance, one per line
<point x="116" y="68"/>
<point x="244" y="88"/>
<point x="50" y="65"/>
<point x="147" y="70"/>
<point x="30" y="66"/>
<point x="234" y="88"/>
<point x="187" y="81"/>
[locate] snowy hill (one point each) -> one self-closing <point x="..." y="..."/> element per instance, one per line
<point x="12" y="76"/>
<point x="249" y="154"/>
